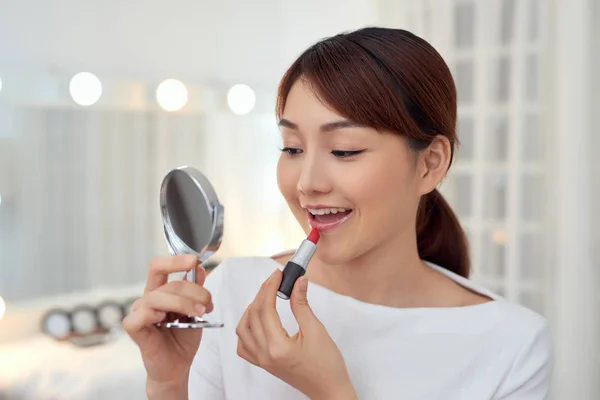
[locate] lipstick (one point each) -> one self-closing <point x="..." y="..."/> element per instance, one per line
<point x="296" y="266"/>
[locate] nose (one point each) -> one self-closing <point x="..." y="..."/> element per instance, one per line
<point x="314" y="178"/>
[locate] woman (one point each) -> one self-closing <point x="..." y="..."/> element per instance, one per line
<point x="368" y="124"/>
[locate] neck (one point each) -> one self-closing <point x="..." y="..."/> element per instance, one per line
<point x="390" y="274"/>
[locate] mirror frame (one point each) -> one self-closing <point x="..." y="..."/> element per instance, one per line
<point x="174" y="242"/>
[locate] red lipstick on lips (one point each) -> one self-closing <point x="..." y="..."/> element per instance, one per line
<point x="296" y="266"/>
<point x="328" y="221"/>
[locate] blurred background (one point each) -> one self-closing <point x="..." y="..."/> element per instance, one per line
<point x="100" y="99"/>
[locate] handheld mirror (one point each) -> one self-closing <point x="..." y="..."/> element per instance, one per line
<point x="193" y="224"/>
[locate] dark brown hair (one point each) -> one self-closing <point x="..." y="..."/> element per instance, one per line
<point x="392" y="80"/>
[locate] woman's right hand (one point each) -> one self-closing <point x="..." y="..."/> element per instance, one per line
<point x="168" y="353"/>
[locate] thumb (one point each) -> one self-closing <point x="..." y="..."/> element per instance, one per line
<point x="298" y="301"/>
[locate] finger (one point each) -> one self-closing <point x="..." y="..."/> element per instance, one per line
<point x="244" y="333"/>
<point x="270" y="321"/>
<point x="135" y="305"/>
<point x="200" y="274"/>
<point x="243" y="352"/>
<point x="254" y="320"/>
<point x="161" y="301"/>
<point x="299" y="303"/>
<point x="161" y="267"/>
<point x="189" y="290"/>
<point x="142" y="318"/>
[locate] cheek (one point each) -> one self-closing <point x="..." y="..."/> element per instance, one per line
<point x="389" y="190"/>
<point x="288" y="173"/>
<point x="287" y="179"/>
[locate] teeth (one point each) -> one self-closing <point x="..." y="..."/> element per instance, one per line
<point x="323" y="211"/>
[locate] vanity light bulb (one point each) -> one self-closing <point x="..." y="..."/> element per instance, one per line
<point x="171" y="95"/>
<point x="85" y="88"/>
<point x="241" y="99"/>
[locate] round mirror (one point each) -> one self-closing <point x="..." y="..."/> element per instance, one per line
<point x="193" y="224"/>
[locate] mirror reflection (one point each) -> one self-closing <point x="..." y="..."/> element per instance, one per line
<point x="189" y="214"/>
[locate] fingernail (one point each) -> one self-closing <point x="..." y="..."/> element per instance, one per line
<point x="200" y="309"/>
<point x="303" y="283"/>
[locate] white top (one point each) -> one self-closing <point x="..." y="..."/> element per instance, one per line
<point x="495" y="350"/>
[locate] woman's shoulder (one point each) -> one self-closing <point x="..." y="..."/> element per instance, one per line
<point x="507" y="313"/>
<point x="517" y="322"/>
<point x="526" y="335"/>
<point x="517" y="334"/>
<point x="511" y="320"/>
<point x="518" y="330"/>
<point x="507" y="322"/>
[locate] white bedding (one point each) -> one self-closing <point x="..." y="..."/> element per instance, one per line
<point x="35" y="367"/>
<point x="39" y="368"/>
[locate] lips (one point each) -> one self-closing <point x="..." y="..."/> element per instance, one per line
<point x="328" y="218"/>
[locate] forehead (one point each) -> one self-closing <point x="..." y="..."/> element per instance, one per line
<point x="304" y="107"/>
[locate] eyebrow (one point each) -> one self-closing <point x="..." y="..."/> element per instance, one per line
<point x="328" y="127"/>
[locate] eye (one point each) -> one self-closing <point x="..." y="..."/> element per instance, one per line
<point x="346" y="153"/>
<point x="291" y="151"/>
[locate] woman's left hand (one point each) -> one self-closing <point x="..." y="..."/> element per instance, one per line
<point x="309" y="361"/>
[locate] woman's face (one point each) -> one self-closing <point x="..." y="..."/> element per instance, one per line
<point x="364" y="186"/>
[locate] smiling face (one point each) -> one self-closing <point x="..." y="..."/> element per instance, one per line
<point x="329" y="163"/>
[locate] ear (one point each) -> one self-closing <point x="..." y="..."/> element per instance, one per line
<point x="434" y="162"/>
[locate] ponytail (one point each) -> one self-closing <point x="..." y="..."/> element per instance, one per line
<point x="440" y="237"/>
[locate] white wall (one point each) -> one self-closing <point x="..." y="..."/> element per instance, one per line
<point x="595" y="144"/>
<point x="215" y="41"/>
<point x="574" y="314"/>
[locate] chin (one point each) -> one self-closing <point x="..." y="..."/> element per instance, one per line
<point x="332" y="254"/>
